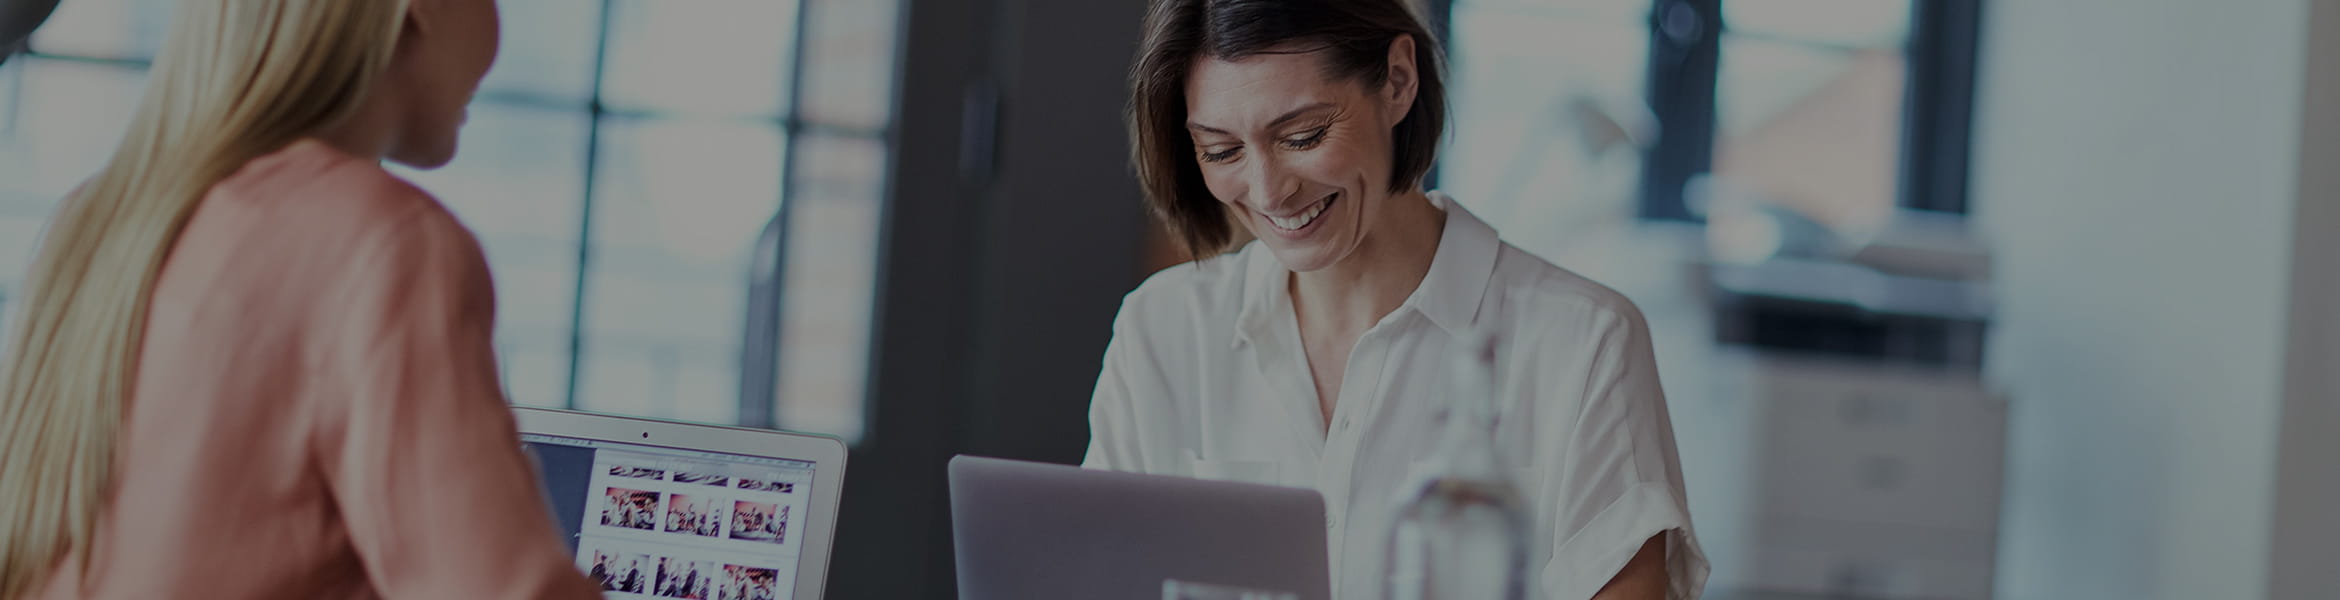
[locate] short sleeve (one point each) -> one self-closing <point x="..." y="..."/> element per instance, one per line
<point x="1620" y="475"/>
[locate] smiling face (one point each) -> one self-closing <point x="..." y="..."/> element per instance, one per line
<point x="1300" y="157"/>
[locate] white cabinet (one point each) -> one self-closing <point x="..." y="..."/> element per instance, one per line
<point x="1869" y="480"/>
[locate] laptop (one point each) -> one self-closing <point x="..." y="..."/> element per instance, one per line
<point x="657" y="509"/>
<point x="1028" y="531"/>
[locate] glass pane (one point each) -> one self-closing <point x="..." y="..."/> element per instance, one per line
<point x="1862" y="23"/>
<point x="830" y="284"/>
<point x="548" y="50"/>
<point x="848" y="78"/>
<point x="1606" y="11"/>
<point x="518" y="182"/>
<point x="701" y="57"/>
<point x="1814" y="129"/>
<point x="63" y="120"/>
<point x="124" y="29"/>
<point x="1548" y="119"/>
<point x="676" y="210"/>
<point x="58" y="123"/>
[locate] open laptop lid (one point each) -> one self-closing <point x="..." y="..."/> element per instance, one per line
<point x="657" y="509"/>
<point x="1030" y="531"/>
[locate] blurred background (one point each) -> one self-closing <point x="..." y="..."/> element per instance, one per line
<point x="1952" y="298"/>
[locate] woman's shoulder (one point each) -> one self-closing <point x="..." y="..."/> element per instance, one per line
<point x="324" y="221"/>
<point x="1530" y="295"/>
<point x="323" y="189"/>
<point x="1210" y="290"/>
<point x="327" y="195"/>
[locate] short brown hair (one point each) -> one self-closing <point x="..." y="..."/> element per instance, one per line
<point x="1355" y="35"/>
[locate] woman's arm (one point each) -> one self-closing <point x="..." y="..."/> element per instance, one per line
<point x="1118" y="436"/>
<point x="1111" y="430"/>
<point x="414" y="438"/>
<point x="1643" y="578"/>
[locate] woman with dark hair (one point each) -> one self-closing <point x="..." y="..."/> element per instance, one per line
<point x="1317" y="356"/>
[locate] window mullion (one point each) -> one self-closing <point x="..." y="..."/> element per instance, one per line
<point x="1684" y="60"/>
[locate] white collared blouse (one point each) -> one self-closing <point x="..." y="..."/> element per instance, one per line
<point x="1206" y="377"/>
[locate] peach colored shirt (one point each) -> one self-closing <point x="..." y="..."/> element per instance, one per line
<point x="317" y="412"/>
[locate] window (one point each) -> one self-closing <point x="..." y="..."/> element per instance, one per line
<point x="60" y="116"/>
<point x="634" y="168"/>
<point x="1549" y="120"/>
<point x="1573" y="113"/>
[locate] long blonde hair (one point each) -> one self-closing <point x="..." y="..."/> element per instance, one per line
<point x="237" y="79"/>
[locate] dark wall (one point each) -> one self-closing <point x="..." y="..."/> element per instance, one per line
<point x="1068" y="221"/>
<point x="1014" y="228"/>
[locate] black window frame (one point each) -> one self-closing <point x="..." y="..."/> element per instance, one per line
<point x="1937" y="104"/>
<point x="1685" y="60"/>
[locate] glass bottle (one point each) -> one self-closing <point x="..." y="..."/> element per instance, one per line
<point x="1460" y="532"/>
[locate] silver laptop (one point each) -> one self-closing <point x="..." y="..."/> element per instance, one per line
<point x="657" y="509"/>
<point x="1027" y="531"/>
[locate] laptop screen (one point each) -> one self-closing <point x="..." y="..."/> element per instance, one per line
<point x="658" y="522"/>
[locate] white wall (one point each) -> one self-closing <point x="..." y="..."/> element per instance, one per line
<point x="2135" y="168"/>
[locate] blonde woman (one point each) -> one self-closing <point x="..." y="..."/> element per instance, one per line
<point x="253" y="364"/>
